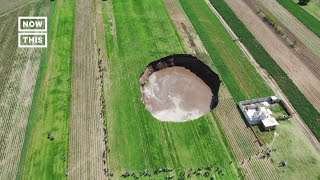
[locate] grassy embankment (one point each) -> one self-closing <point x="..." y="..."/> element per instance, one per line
<point x="138" y="141"/>
<point x="307" y="19"/>
<point x="42" y="158"/>
<point x="305" y="109"/>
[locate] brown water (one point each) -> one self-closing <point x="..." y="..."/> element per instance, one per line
<point x="176" y="94"/>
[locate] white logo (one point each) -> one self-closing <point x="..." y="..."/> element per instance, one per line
<point x="32" y="32"/>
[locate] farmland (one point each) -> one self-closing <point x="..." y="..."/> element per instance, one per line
<point x="183" y="146"/>
<point x="243" y="142"/>
<point x="50" y="109"/>
<point x="12" y="5"/>
<point x="86" y="125"/>
<point x="18" y="74"/>
<point x="312" y="8"/>
<point x="308" y="20"/>
<point x="305" y="109"/>
<point x="295" y="26"/>
<point x="299" y="157"/>
<point x="81" y="108"/>
<point x="237" y="72"/>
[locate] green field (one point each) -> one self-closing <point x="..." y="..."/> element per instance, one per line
<point x="307" y="19"/>
<point x="293" y="147"/>
<point x="138" y="141"/>
<point x="305" y="109"/>
<point x="42" y="158"/>
<point x="312" y="8"/>
<point x="291" y="141"/>
<point x="236" y="71"/>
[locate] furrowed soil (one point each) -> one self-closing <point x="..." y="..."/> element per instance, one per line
<point x="285" y="149"/>
<point x="18" y="74"/>
<point x="41" y="157"/>
<point x="144" y="32"/>
<point x="86" y="144"/>
<point x="242" y="139"/>
<point x="7" y="5"/>
<point x="301" y="32"/>
<point x="296" y="69"/>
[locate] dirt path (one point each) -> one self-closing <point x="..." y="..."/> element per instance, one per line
<point x="86" y="146"/>
<point x="301" y="75"/>
<point x="272" y="84"/>
<point x="240" y="137"/>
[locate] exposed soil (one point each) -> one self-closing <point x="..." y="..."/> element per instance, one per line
<point x="295" y="67"/>
<point x="179" y="88"/>
<point x="18" y="74"/>
<point x="263" y="72"/>
<point x="86" y="143"/>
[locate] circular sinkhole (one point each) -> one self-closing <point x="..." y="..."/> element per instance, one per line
<point x="179" y="88"/>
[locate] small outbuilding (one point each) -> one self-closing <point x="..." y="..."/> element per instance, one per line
<point x="269" y="123"/>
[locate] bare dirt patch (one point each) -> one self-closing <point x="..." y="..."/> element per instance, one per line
<point x="179" y="88"/>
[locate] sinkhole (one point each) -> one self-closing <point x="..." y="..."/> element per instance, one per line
<point x="179" y="88"/>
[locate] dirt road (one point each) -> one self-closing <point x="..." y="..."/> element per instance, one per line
<point x="86" y="146"/>
<point x="301" y="75"/>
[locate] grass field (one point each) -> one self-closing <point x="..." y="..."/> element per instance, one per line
<point x="292" y="146"/>
<point x="237" y="72"/>
<point x="312" y="8"/>
<point x="305" y="109"/>
<point x="42" y="158"/>
<point x="137" y="141"/>
<point x="307" y="19"/>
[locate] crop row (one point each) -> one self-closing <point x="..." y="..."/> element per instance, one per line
<point x="137" y="140"/>
<point x="305" y="109"/>
<point x="307" y="19"/>
<point x="50" y="109"/>
<point x="234" y="68"/>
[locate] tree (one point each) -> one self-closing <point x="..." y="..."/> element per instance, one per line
<point x="303" y="2"/>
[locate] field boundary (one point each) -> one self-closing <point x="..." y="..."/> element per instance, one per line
<point x="35" y="98"/>
<point x="302" y="15"/>
<point x="305" y="109"/>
